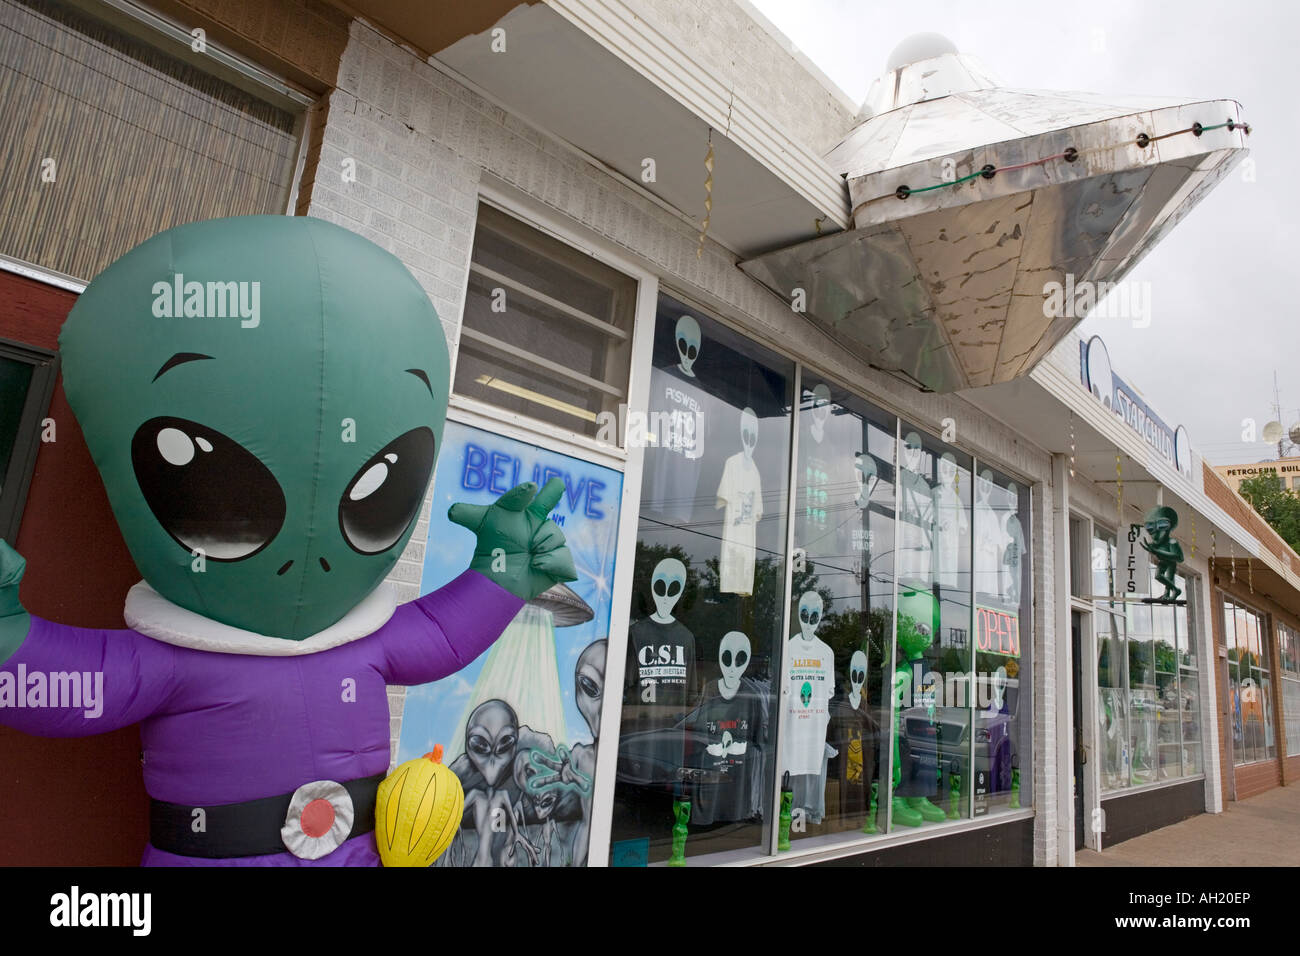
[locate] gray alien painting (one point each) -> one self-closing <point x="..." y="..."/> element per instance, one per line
<point x="527" y="799"/>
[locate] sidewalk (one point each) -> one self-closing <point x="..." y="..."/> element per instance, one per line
<point x="1261" y="831"/>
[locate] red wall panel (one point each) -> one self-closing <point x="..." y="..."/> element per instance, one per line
<point x="67" y="801"/>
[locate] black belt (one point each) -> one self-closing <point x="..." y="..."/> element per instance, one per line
<point x="251" y="828"/>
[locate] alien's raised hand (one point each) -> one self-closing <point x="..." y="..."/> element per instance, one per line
<point x="14" y="621"/>
<point x="519" y="547"/>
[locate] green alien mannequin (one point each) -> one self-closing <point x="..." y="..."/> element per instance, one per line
<point x="264" y="398"/>
<point x="918" y="622"/>
<point x="1160" y="522"/>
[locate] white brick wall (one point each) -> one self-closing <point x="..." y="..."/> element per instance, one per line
<point x="743" y="54"/>
<point x="422" y="142"/>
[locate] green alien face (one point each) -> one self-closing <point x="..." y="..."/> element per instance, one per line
<point x="264" y="398"/>
<point x="918" y="622"/>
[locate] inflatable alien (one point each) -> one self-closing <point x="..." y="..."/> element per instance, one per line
<point x="264" y="398"/>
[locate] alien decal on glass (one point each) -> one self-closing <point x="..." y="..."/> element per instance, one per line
<point x="809" y="687"/>
<point x="676" y="426"/>
<point x="741" y="492"/>
<point x="951" y="526"/>
<point x="854" y="733"/>
<point x="915" y="565"/>
<point x="266" y="476"/>
<point x="688" y="344"/>
<point x="820" y="412"/>
<point x="662" y="648"/>
<point x="990" y="537"/>
<point x="729" y="730"/>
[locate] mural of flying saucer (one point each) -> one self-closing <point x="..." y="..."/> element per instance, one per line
<point x="969" y="200"/>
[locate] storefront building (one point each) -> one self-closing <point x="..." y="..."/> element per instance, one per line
<point x="823" y="615"/>
<point x="1255" y="631"/>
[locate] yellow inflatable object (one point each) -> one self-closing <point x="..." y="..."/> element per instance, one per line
<point x="418" y="811"/>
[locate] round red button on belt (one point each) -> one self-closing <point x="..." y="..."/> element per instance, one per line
<point x="317" y="818"/>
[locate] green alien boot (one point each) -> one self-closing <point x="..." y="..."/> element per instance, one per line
<point x="904" y="815"/>
<point x="927" y="810"/>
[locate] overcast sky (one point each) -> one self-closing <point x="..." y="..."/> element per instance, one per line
<point x="1222" y="318"/>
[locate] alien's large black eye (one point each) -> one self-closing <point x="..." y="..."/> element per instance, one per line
<point x="206" y="490"/>
<point x="384" y="496"/>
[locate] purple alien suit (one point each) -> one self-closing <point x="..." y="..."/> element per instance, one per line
<point x="228" y="716"/>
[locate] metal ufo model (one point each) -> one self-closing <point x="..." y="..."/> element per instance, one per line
<point x="565" y="605"/>
<point x="970" y="200"/>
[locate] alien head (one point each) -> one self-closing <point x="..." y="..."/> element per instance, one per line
<point x="491" y="736"/>
<point x="805" y="693"/>
<point x="864" y="473"/>
<point x="748" y="431"/>
<point x="821" y="408"/>
<point x="666" y="585"/>
<point x="912" y="452"/>
<point x="688" y="344"/>
<point x="733" y="656"/>
<point x="589" y="684"/>
<point x="1013" y="498"/>
<point x="1159" y="522"/>
<point x="983" y="487"/>
<point x="918" y="622"/>
<point x="270" y="391"/>
<point x="857" y="673"/>
<point x="810" y="614"/>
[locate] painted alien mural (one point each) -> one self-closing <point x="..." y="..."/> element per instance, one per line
<point x="523" y="792"/>
<point x="266" y="474"/>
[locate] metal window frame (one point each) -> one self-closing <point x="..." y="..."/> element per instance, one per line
<point x="22" y="460"/>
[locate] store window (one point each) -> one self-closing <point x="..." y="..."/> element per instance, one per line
<point x="26" y="382"/>
<point x="696" y="762"/>
<point x="1003" y="643"/>
<point x="1289" y="678"/>
<point x="1148" y="679"/>
<point x="547" y="331"/>
<point x="838" y="667"/>
<point x="1245" y="633"/>
<point x="900" y="698"/>
<point x="932" y="667"/>
<point x="117" y="140"/>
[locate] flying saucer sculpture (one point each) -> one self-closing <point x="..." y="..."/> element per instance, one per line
<point x="970" y="200"/>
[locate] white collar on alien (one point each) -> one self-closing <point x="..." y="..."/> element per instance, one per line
<point x="153" y="615"/>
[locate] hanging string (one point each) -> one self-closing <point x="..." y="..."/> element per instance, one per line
<point x="1070" y="155"/>
<point x="1071" y="443"/>
<point x="1232" y="552"/>
<point x="708" y="197"/>
<point x="708" y="166"/>
<point x="1119" y="495"/>
<point x="1193" y="534"/>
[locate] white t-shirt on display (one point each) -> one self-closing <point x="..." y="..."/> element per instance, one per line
<point x="951" y="527"/>
<point x="741" y="493"/>
<point x="810" y="684"/>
